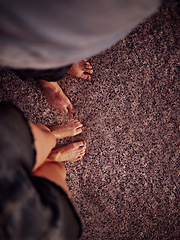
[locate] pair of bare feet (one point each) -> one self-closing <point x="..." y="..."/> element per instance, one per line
<point x="71" y="152"/>
<point x="45" y="139"/>
<point x="55" y="95"/>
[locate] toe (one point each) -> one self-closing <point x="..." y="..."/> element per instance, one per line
<point x="73" y="121"/>
<point x="79" y="144"/>
<point x="87" y="66"/>
<point x="79" y="130"/>
<point x="88" y="77"/>
<point x="86" y="69"/>
<point x="78" y="158"/>
<point x="89" y="70"/>
<point x="82" y="152"/>
<point x="65" y="110"/>
<point x="85" y="76"/>
<point x="85" y="62"/>
<point x="71" y="108"/>
<point x="78" y="124"/>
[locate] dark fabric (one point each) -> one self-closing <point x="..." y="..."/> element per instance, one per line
<point x="51" y="75"/>
<point x="30" y="207"/>
<point x="16" y="139"/>
<point x="64" y="214"/>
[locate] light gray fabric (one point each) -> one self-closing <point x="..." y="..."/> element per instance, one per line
<point x="53" y="33"/>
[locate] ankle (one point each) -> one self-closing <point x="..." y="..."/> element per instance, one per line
<point x="46" y="84"/>
<point x="54" y="156"/>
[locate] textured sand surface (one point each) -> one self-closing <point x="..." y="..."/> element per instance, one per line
<point x="126" y="186"/>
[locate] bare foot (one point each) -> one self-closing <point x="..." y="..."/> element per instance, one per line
<point x="69" y="129"/>
<point x="81" y="69"/>
<point x="71" y="152"/>
<point x="56" y="97"/>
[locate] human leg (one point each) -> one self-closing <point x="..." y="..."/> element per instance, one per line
<point x="55" y="94"/>
<point x="44" y="142"/>
<point x="45" y="139"/>
<point x="55" y="172"/>
<point x="48" y="82"/>
<point x="56" y="97"/>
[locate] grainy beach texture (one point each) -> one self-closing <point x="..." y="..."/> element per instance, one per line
<point x="126" y="186"/>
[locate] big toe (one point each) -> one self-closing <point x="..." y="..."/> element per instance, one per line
<point x="71" y="109"/>
<point x="79" y="145"/>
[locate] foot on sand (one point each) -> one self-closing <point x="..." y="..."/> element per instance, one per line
<point x="71" y="152"/>
<point x="69" y="129"/>
<point x="82" y="69"/>
<point x="56" y="97"/>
